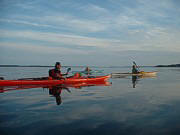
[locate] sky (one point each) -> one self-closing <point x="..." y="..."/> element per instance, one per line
<point x="90" y="32"/>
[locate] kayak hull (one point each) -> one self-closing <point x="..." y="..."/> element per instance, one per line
<point x="138" y="74"/>
<point x="54" y="82"/>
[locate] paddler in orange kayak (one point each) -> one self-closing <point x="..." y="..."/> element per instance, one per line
<point x="56" y="72"/>
<point x="87" y="70"/>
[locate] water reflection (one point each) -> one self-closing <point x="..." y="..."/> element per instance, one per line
<point x="135" y="78"/>
<point x="134" y="81"/>
<point x="152" y="107"/>
<point x="55" y="90"/>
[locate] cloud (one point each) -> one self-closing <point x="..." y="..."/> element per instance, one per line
<point x="161" y="41"/>
<point x="41" y="49"/>
<point x="156" y="32"/>
<point x="64" y="21"/>
<point x="27" y="5"/>
<point x="75" y="24"/>
<point x="116" y="20"/>
<point x="59" y="38"/>
<point x="95" y="9"/>
<point x="127" y="21"/>
<point x="26" y="23"/>
<point x="121" y="27"/>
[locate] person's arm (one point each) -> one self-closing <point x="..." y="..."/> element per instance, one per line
<point x="59" y="76"/>
<point x="50" y="73"/>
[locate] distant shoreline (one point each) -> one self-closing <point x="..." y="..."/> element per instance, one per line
<point x="172" y="65"/>
<point x="23" y="66"/>
<point x="70" y="66"/>
<point x="41" y="66"/>
<point x="33" y="66"/>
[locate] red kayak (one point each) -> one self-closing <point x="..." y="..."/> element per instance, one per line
<point x="66" y="81"/>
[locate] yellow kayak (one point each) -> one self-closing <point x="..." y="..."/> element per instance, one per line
<point x="142" y="73"/>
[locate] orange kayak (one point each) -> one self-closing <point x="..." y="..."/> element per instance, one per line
<point x="66" y="81"/>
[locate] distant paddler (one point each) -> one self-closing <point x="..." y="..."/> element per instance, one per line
<point x="134" y="69"/>
<point x="135" y="72"/>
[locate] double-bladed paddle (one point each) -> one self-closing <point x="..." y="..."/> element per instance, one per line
<point x="136" y="66"/>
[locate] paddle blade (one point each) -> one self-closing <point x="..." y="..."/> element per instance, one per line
<point x="69" y="69"/>
<point x="134" y="63"/>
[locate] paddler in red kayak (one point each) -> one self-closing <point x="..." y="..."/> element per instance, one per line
<point x="56" y="72"/>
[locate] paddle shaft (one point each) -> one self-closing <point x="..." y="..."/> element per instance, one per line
<point x="136" y="65"/>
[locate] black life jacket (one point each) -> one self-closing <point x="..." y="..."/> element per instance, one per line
<point x="54" y="73"/>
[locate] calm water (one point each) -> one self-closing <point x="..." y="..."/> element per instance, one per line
<point x="151" y="108"/>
